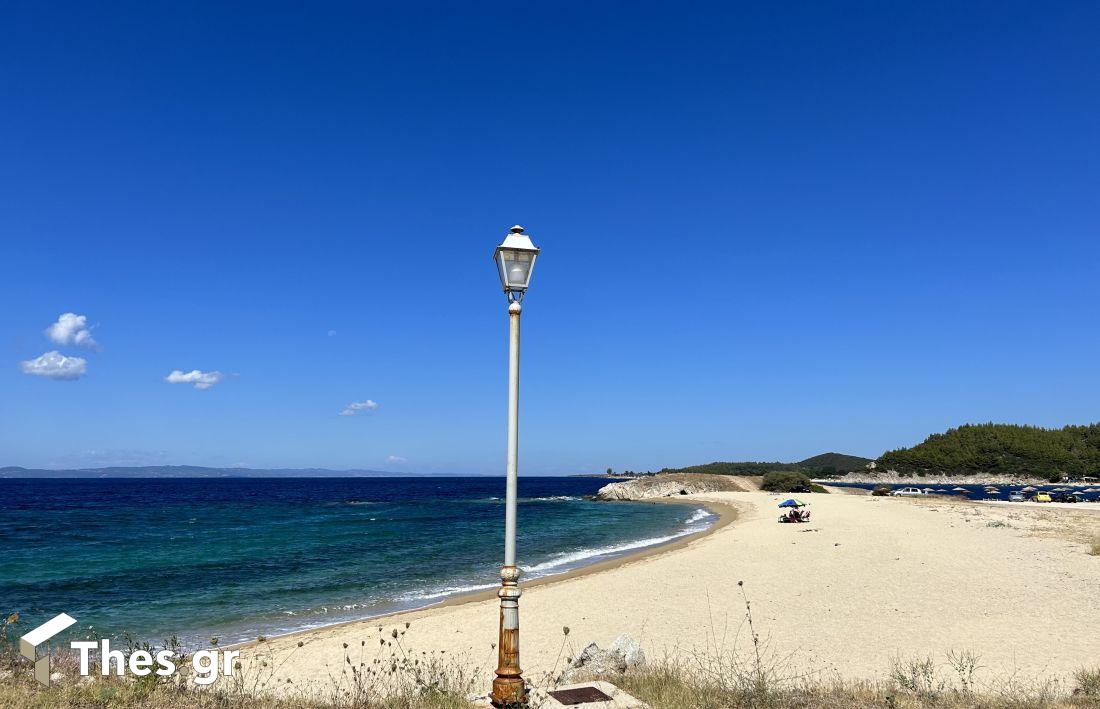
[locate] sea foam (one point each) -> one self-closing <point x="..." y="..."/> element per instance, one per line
<point x="691" y="526"/>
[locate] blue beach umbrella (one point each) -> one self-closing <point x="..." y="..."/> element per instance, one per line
<point x="792" y="503"/>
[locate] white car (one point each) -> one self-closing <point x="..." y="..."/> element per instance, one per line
<point x="908" y="492"/>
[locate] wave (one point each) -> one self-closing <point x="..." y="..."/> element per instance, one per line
<point x="549" y="498"/>
<point x="448" y="591"/>
<point x="699" y="515"/>
<point x="691" y="526"/>
<point x="582" y="554"/>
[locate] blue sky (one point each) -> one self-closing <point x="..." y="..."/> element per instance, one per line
<point x="767" y="231"/>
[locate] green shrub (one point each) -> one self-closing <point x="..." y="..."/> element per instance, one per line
<point x="785" y="481"/>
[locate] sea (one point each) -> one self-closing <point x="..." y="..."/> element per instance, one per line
<point x="239" y="558"/>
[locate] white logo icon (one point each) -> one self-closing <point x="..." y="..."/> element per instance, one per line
<point x="28" y="645"/>
<point x="205" y="664"/>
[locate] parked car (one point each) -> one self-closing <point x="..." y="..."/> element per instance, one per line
<point x="1066" y="497"/>
<point x="908" y="492"/>
<point x="1041" y="497"/>
<point x="1016" y="497"/>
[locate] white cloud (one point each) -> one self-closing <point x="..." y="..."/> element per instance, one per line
<point x="54" y="365"/>
<point x="201" y="380"/>
<point x="357" y="406"/>
<point x="71" y="329"/>
<point x="396" y="459"/>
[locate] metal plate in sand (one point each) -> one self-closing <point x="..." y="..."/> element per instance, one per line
<point x="580" y="695"/>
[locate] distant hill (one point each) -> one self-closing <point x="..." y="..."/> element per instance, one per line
<point x="742" y="468"/>
<point x="837" y="461"/>
<point x="997" y="448"/>
<point x="193" y="471"/>
<point x="817" y="466"/>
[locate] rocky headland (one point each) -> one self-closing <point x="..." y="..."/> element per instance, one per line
<point x="663" y="485"/>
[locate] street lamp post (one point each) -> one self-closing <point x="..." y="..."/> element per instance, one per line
<point x="515" y="259"/>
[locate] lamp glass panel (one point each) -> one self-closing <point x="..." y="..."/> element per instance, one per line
<point x="516" y="267"/>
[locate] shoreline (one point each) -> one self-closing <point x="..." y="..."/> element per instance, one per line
<point x="726" y="514"/>
<point x="850" y="617"/>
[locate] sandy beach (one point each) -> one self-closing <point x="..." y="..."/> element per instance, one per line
<point x="869" y="579"/>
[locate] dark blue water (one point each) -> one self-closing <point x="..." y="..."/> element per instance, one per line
<point x="241" y="557"/>
<point x="977" y="492"/>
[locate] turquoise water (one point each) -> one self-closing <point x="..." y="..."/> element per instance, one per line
<point x="237" y="558"/>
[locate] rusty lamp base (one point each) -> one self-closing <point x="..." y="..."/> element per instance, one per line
<point x="509" y="689"/>
<point x="509" y="692"/>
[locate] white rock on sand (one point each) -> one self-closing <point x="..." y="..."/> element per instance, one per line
<point x="624" y="655"/>
<point x="870" y="579"/>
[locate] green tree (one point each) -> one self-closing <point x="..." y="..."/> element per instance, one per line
<point x="785" y="481"/>
<point x="989" y="448"/>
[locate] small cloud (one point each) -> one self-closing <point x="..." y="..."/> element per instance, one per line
<point x="201" y="380"/>
<point x="396" y="459"/>
<point x="71" y="329"/>
<point x="54" y="365"/>
<point x="332" y="333"/>
<point x="357" y="406"/>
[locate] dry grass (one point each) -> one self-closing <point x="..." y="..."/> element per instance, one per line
<point x="760" y="679"/>
<point x="1088" y="684"/>
<point x="918" y="683"/>
<point x="914" y="684"/>
<point x="18" y="691"/>
<point x="680" y="687"/>
<point x="1094" y="548"/>
<point x="402" y="679"/>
